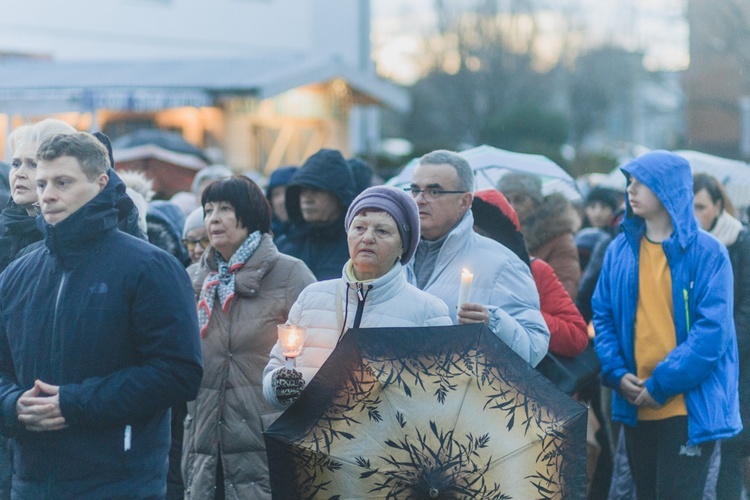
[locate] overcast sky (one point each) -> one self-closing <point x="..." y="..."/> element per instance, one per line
<point x="655" y="26"/>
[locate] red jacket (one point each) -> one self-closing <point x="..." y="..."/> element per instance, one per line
<point x="497" y="219"/>
<point x="568" y="333"/>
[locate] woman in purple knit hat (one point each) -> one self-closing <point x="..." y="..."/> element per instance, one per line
<point x="382" y="226"/>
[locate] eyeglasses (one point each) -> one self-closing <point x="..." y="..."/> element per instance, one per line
<point x="430" y="194"/>
<point x="191" y="242"/>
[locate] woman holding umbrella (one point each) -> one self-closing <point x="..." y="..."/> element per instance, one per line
<point x="246" y="289"/>
<point x="382" y="226"/>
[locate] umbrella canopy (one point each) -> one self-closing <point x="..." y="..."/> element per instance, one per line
<point x="733" y="174"/>
<point x="442" y="412"/>
<point x="490" y="164"/>
<point x="162" y="145"/>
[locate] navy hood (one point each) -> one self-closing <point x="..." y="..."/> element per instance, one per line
<point x="326" y="170"/>
<point x="165" y="223"/>
<point x="669" y="177"/>
<point x="280" y="177"/>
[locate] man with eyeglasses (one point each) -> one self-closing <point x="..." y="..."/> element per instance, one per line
<point x="503" y="294"/>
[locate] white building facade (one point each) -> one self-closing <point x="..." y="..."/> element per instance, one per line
<point x="314" y="79"/>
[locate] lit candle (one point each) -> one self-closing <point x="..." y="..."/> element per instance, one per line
<point x="464" y="291"/>
<point x="291" y="340"/>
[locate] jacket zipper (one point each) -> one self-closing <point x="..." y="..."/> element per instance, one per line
<point x="687" y="308"/>
<point x="361" y="297"/>
<point x="57" y="370"/>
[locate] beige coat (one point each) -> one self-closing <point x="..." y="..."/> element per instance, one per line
<point x="230" y="413"/>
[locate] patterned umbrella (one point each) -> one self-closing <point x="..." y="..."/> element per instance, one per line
<point x="443" y="412"/>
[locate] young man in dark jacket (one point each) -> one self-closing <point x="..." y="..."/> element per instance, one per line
<point x="98" y="338"/>
<point x="316" y="201"/>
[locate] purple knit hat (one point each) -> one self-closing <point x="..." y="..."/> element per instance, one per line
<point x="398" y="205"/>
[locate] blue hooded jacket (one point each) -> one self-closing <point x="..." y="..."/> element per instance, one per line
<point x="704" y="364"/>
<point x="111" y="319"/>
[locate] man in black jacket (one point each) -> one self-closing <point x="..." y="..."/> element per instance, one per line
<point x="98" y="339"/>
<point x="316" y="201"/>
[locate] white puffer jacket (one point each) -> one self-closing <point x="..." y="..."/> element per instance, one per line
<point x="326" y="306"/>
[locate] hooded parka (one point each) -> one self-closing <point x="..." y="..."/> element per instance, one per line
<point x="322" y="247"/>
<point x="229" y="415"/>
<point x="704" y="365"/>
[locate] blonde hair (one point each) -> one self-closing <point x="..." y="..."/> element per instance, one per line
<point x="35" y="133"/>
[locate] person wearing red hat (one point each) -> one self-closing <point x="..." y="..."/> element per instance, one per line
<point x="495" y="218"/>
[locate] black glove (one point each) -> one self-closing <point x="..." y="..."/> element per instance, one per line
<point x="288" y="385"/>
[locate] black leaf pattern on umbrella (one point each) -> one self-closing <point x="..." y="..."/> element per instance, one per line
<point x="427" y="458"/>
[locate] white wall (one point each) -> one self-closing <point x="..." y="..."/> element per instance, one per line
<point x="159" y="29"/>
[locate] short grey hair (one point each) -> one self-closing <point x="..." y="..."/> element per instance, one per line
<point x="458" y="162"/>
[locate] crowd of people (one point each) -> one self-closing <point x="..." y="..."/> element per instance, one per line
<point x="138" y="337"/>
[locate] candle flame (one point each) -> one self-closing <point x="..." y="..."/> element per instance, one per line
<point x="291" y="340"/>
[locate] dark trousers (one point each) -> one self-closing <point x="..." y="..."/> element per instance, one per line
<point x="6" y="469"/>
<point x="662" y="463"/>
<point x="175" y="486"/>
<point x="731" y="473"/>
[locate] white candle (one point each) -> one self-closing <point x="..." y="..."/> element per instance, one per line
<point x="464" y="291"/>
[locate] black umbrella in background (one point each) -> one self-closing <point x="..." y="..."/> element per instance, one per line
<point x="164" y="157"/>
<point x="170" y="141"/>
<point x="443" y="412"/>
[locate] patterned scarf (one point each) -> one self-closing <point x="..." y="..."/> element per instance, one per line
<point x="221" y="281"/>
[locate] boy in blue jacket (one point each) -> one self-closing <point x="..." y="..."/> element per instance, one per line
<point x="665" y="333"/>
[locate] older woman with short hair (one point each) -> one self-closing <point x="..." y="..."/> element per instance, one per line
<point x="382" y="227"/>
<point x="246" y="289"/>
<point x="18" y="227"/>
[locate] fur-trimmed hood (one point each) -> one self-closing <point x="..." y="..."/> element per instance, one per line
<point x="555" y="216"/>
